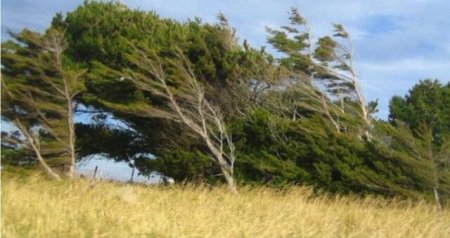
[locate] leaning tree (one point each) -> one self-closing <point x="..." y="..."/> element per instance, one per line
<point x="38" y="90"/>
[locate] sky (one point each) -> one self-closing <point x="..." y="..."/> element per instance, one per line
<point x="396" y="43"/>
<point x="110" y="170"/>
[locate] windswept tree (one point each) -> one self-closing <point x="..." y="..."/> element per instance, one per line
<point x="425" y="110"/>
<point x="335" y="67"/>
<point x="224" y="70"/>
<point x="438" y="157"/>
<point x="325" y="79"/>
<point x="38" y="90"/>
<point x="187" y="105"/>
<point x="184" y="113"/>
<point x="295" y="42"/>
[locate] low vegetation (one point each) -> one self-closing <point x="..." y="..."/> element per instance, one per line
<point x="36" y="207"/>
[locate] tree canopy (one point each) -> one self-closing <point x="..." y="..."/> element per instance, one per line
<point x="426" y="103"/>
<point x="197" y="103"/>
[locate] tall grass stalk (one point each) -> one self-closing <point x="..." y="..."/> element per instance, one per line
<point x="35" y="207"/>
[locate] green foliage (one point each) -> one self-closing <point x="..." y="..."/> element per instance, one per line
<point x="325" y="51"/>
<point x="294" y="41"/>
<point x="224" y="69"/>
<point x="285" y="128"/>
<point x="118" y="144"/>
<point x="426" y="103"/>
<point x="425" y="111"/>
<point x="277" y="151"/>
<point x="38" y="86"/>
<point x="182" y="165"/>
<point x="17" y="157"/>
<point x="101" y="35"/>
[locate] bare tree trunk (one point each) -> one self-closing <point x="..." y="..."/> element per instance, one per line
<point x="361" y="102"/>
<point x="71" y="128"/>
<point x="427" y="135"/>
<point x="226" y="167"/>
<point x="34" y="144"/>
<point x="436" y="198"/>
<point x="435" y="173"/>
<point x="229" y="177"/>
<point x="327" y="112"/>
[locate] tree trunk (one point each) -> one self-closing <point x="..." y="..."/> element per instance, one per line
<point x="327" y="112"/>
<point x="47" y="168"/>
<point x="225" y="167"/>
<point x="436" y="198"/>
<point x="429" y="142"/>
<point x="32" y="143"/>
<point x="71" y="127"/>
<point x="230" y="180"/>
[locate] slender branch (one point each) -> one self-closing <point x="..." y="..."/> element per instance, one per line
<point x="35" y="146"/>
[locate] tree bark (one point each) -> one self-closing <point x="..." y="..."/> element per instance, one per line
<point x="32" y="143"/>
<point x="71" y="128"/>
<point x="229" y="177"/>
<point x="436" y="198"/>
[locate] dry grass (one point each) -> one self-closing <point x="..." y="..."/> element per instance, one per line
<point x="35" y="208"/>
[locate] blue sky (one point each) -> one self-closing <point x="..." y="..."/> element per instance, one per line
<point x="396" y="43"/>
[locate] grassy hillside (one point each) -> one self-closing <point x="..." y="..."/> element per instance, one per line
<point x="35" y="207"/>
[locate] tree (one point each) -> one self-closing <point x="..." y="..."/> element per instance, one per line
<point x="438" y="157"/>
<point x="38" y="91"/>
<point x="224" y="70"/>
<point x="336" y="69"/>
<point x="295" y="41"/>
<point x="295" y="120"/>
<point x="426" y="103"/>
<point x="425" y="111"/>
<point x="324" y="78"/>
<point x="188" y="105"/>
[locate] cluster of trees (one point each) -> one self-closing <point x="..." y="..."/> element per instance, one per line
<point x="199" y="106"/>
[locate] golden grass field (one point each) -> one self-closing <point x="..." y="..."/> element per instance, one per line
<point x="35" y="207"/>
